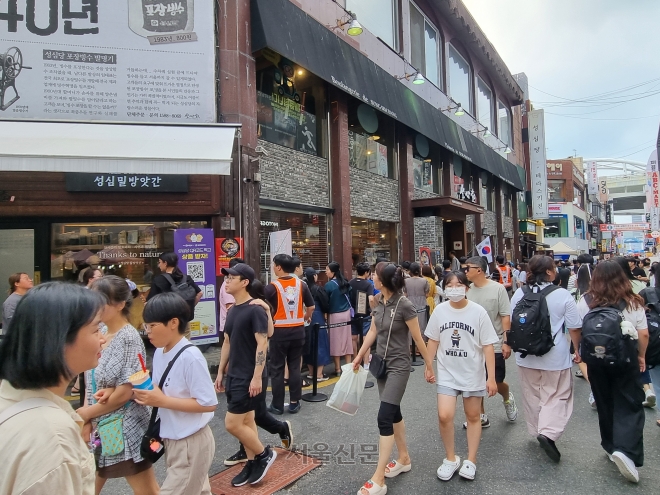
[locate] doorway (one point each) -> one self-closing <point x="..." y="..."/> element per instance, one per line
<point x="454" y="237"/>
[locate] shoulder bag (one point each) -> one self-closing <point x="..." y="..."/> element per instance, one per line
<point x="152" y="447"/>
<point x="377" y="366"/>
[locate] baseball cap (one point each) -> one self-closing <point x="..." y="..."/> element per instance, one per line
<point x="241" y="269"/>
<point x="310" y="272"/>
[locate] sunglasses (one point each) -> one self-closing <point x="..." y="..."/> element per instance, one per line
<point x="468" y="268"/>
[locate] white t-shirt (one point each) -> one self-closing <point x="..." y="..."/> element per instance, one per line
<point x="462" y="334"/>
<point x="188" y="378"/>
<point x="635" y="316"/>
<point x="563" y="311"/>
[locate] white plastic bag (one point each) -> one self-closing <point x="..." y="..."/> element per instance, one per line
<point x="348" y="390"/>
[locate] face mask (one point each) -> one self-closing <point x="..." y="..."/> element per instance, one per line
<point x="455" y="294"/>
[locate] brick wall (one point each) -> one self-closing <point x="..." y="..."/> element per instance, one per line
<point x="507" y="227"/>
<point x="421" y="194"/>
<point x="295" y="177"/>
<point x="469" y="224"/>
<point x="490" y="223"/>
<point x="428" y="233"/>
<point x="373" y="196"/>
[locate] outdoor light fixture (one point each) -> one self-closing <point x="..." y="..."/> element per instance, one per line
<point x="486" y="131"/>
<point x="354" y="27"/>
<point x="459" y="110"/>
<point x="506" y="149"/>
<point x="374" y="138"/>
<point x="417" y="78"/>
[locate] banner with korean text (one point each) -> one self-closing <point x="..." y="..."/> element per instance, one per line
<point x="592" y="178"/>
<point x="538" y="169"/>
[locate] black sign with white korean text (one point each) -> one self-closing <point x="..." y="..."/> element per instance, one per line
<point x="142" y="183"/>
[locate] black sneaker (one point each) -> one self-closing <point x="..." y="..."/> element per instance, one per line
<point x="262" y="464"/>
<point x="237" y="458"/>
<point x="287" y="436"/>
<point x="549" y="448"/>
<point x="294" y="408"/>
<point x="242" y="478"/>
<point x="273" y="410"/>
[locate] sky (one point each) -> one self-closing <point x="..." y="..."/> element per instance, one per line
<point x="578" y="50"/>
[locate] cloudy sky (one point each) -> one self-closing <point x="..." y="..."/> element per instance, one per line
<point x="603" y="51"/>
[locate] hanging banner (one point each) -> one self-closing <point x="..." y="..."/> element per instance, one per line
<point x="592" y="178"/>
<point x="538" y="167"/>
<point x="424" y="256"/>
<point x="624" y="227"/>
<point x="195" y="249"/>
<point x="280" y="243"/>
<point x="653" y="181"/>
<point x="226" y="249"/>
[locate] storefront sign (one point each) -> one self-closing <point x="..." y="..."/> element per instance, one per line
<point x="624" y="227"/>
<point x="653" y="180"/>
<point x="226" y="249"/>
<point x="592" y="178"/>
<point x="424" y="256"/>
<point x="538" y="167"/>
<point x="195" y="249"/>
<point x="554" y="208"/>
<point x="126" y="182"/>
<point x="132" y="60"/>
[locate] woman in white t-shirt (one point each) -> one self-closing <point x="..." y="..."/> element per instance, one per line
<point x="617" y="390"/>
<point x="462" y="335"/>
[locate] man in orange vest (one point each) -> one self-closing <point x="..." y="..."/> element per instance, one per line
<point x="503" y="274"/>
<point x="294" y="305"/>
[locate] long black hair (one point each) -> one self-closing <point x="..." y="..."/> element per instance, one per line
<point x="172" y="260"/>
<point x="338" y="277"/>
<point x="584" y="277"/>
<point x="623" y="263"/>
<point x="391" y="276"/>
<point x="538" y="267"/>
<point x="257" y="291"/>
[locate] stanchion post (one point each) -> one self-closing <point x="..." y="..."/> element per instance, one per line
<point x="314" y="396"/>
<point x="368" y="383"/>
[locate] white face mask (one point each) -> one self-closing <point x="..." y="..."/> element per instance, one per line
<point x="455" y="294"/>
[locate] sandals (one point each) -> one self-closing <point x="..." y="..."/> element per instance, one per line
<point x="579" y="374"/>
<point x="371" y="488"/>
<point x="448" y="468"/>
<point x="468" y="470"/>
<point x="394" y="468"/>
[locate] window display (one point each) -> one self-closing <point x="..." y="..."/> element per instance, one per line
<point x="373" y="239"/>
<point x="129" y="250"/>
<point x="371" y="140"/>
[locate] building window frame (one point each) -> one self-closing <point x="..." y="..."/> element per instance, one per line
<point x="506" y="139"/>
<point x="453" y="50"/>
<point x="481" y="82"/>
<point x="423" y="64"/>
<point x="350" y="6"/>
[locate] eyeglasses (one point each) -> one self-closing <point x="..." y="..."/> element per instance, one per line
<point x="468" y="268"/>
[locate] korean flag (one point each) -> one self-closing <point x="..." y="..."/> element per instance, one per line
<point x="485" y="249"/>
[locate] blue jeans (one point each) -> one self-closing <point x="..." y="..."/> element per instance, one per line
<point x="655" y="380"/>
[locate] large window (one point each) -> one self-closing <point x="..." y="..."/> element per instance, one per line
<point x="371" y="141"/>
<point x="379" y="17"/>
<point x="484" y="104"/>
<point x="424" y="46"/>
<point x="460" y="79"/>
<point x="373" y="239"/>
<point x="579" y="228"/>
<point x="556" y="226"/>
<point x="504" y="123"/>
<point x="556" y="191"/>
<point x="578" y="197"/>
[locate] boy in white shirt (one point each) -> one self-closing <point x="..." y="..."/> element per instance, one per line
<point x="186" y="403"/>
<point x="462" y="335"/>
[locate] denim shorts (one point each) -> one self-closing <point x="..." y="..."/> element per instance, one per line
<point x="452" y="392"/>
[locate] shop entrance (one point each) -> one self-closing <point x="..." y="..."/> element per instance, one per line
<point x="454" y="237"/>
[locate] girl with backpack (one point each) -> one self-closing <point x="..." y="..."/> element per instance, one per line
<point x="172" y="279"/>
<point x="616" y="387"/>
<point x="651" y="296"/>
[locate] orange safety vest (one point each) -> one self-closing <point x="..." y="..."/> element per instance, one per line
<point x="505" y="275"/>
<point x="290" y="306"/>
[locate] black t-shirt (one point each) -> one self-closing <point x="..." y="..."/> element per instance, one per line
<point x="160" y="284"/>
<point x="243" y="322"/>
<point x="361" y="285"/>
<point x="273" y="297"/>
<point x="638" y="272"/>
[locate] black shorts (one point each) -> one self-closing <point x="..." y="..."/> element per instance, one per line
<point x="500" y="368"/>
<point x="238" y="396"/>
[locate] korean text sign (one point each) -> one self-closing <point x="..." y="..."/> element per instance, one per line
<point x="195" y="249"/>
<point x="538" y="167"/>
<point x="128" y="60"/>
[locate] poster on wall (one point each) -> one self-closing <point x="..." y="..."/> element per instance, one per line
<point x="131" y="60"/>
<point x="283" y="121"/>
<point x="422" y="175"/>
<point x="280" y="243"/>
<point x="195" y="249"/>
<point x="226" y="249"/>
<point x="425" y="256"/>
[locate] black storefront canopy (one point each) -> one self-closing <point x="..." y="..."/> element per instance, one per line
<point x="284" y="28"/>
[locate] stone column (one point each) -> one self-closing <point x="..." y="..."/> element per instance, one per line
<point x="406" y="191"/>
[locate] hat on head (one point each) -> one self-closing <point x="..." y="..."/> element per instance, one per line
<point x="241" y="269"/>
<point x="310" y="272"/>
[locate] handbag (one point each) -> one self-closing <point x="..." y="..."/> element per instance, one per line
<point x="111" y="429"/>
<point x="377" y="365"/>
<point x="348" y="300"/>
<point x="152" y="447"/>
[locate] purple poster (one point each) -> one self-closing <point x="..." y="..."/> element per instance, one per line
<point x="195" y="249"/>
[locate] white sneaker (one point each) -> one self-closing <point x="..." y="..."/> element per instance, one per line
<point x="448" y="468"/>
<point x="510" y="408"/>
<point x="650" y="398"/>
<point x="626" y="466"/>
<point x="468" y="470"/>
<point x="484" y="422"/>
<point x="592" y="400"/>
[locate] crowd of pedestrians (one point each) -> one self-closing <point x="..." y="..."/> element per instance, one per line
<point x="467" y="317"/>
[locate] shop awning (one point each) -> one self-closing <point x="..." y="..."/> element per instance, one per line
<point x="449" y="208"/>
<point x="286" y="29"/>
<point x="38" y="146"/>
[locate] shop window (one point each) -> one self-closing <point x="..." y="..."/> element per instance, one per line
<point x="487" y="196"/>
<point x="578" y="197"/>
<point x="372" y="239"/>
<point x="290" y="105"/>
<point x="379" y="17"/>
<point x="484" y="104"/>
<point x="556" y="191"/>
<point x="424" y="46"/>
<point x="460" y="79"/>
<point x="128" y="250"/>
<point x="371" y="140"/>
<point x="427" y="169"/>
<point x="556" y="227"/>
<point x="309" y="237"/>
<point x="504" y="123"/>
<point x="579" y="228"/>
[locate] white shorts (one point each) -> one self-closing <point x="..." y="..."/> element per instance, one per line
<point x="452" y="392"/>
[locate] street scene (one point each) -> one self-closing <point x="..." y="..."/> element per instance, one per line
<point x="329" y="247"/>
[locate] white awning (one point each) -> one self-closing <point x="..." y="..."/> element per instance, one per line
<point x="37" y="146"/>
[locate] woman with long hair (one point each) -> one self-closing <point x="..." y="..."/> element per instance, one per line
<point x="417" y="290"/>
<point x="427" y="273"/>
<point x="57" y="326"/>
<point x="616" y="389"/>
<point x="339" y="315"/>
<point x="582" y="286"/>
<point x="393" y="323"/>
<point x="169" y="268"/>
<point x="546" y="380"/>
<point x="637" y="285"/>
<point x="321" y="307"/>
<point x="109" y="391"/>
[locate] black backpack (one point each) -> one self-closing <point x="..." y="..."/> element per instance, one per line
<point x="603" y="343"/>
<point x="531" y="332"/>
<point x="653" y="322"/>
<point x="185" y="290"/>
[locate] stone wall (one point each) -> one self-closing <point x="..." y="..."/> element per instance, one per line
<point x="490" y="223"/>
<point x="373" y="196"/>
<point x="469" y="224"/>
<point x="421" y="194"/>
<point x="507" y="228"/>
<point x="428" y="233"/>
<point x="293" y="176"/>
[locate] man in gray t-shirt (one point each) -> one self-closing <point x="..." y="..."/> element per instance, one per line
<point x="494" y="299"/>
<point x="19" y="284"/>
